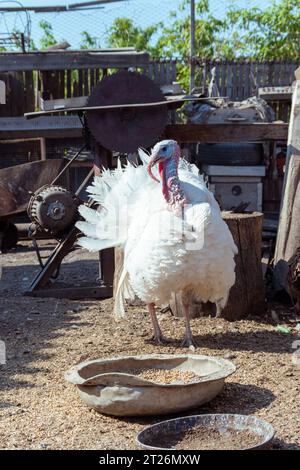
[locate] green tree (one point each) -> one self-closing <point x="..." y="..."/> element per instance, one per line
<point x="124" y="33"/>
<point x="175" y="38"/>
<point x="255" y="33"/>
<point x="48" y="39"/>
<point x="88" y="41"/>
<point x="270" y="33"/>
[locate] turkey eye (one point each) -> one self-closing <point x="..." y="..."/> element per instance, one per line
<point x="164" y="149"/>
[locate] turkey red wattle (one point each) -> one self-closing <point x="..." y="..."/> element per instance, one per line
<point x="171" y="187"/>
<point x="168" y="171"/>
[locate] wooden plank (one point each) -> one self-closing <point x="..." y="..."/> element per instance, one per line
<point x="276" y="93"/>
<point x="63" y="103"/>
<point x="92" y="79"/>
<point x="69" y="84"/>
<point x="86" y="82"/>
<point x="288" y="238"/>
<point x="247" y="81"/>
<point x="233" y="132"/>
<point x="51" y="127"/>
<point x="169" y="101"/>
<point x="70" y="60"/>
<point x="29" y="90"/>
<point x="222" y="89"/>
<point x="55" y="85"/>
<point x="229" y="88"/>
<point x="80" y="82"/>
<point x="62" y="84"/>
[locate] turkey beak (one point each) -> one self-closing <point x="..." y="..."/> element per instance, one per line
<point x="155" y="158"/>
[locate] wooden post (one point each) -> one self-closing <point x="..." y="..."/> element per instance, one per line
<point x="288" y="237"/>
<point x="247" y="295"/>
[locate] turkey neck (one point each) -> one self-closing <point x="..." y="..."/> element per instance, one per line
<point x="171" y="187"/>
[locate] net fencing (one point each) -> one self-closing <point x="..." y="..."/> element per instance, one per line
<point x="91" y="25"/>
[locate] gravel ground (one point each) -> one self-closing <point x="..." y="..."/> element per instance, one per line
<point x="44" y="337"/>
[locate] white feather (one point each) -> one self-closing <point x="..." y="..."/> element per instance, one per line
<point x="163" y="253"/>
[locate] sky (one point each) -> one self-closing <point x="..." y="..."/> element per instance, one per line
<point x="68" y="26"/>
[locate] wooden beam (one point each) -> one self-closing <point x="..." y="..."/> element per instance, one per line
<point x="231" y="132"/>
<point x="70" y="126"/>
<point x="288" y="237"/>
<point x="50" y="127"/>
<point x="64" y="60"/>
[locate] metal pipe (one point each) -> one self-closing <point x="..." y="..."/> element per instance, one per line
<point x="192" y="45"/>
<point x="69" y="163"/>
<point x="58" y="8"/>
<point x="84" y="182"/>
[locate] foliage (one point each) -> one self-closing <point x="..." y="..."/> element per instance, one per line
<point x="263" y="34"/>
<point x="47" y="38"/>
<point x="123" y="33"/>
<point x="88" y="41"/>
<point x="273" y="33"/>
<point x="256" y="33"/>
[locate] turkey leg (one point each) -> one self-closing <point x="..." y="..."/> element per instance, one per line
<point x="158" y="336"/>
<point x="188" y="340"/>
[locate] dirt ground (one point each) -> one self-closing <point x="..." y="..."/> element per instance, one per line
<point x="45" y="337"/>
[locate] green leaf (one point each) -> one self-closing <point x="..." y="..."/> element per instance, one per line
<point x="283" y="329"/>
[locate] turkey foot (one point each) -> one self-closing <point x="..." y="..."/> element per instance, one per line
<point x="188" y="340"/>
<point x="161" y="339"/>
<point x="157" y="336"/>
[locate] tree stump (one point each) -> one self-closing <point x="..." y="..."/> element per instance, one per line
<point x="247" y="295"/>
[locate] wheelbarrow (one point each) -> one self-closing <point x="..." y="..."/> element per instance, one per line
<point x="16" y="185"/>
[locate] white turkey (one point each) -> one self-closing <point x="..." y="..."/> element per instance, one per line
<point x="170" y="228"/>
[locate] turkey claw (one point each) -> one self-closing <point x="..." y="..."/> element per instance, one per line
<point x="189" y="343"/>
<point x="161" y="339"/>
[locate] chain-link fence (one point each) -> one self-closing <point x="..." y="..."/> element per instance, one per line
<point x="90" y="25"/>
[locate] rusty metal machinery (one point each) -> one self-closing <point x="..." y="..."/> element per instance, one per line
<point x="125" y="111"/>
<point x="53" y="209"/>
<point x="16" y="184"/>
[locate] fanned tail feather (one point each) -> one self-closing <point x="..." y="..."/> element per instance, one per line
<point x="114" y="191"/>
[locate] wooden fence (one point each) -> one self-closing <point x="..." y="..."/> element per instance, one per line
<point x="236" y="79"/>
<point x="240" y="79"/>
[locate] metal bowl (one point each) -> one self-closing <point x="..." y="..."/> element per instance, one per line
<point x="103" y="386"/>
<point x="172" y="430"/>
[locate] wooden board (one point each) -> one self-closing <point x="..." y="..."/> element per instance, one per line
<point x="63" y="103"/>
<point x="50" y="127"/>
<point x="288" y="238"/>
<point x="231" y="132"/>
<point x="276" y="93"/>
<point x="170" y="100"/>
<point x="16" y="61"/>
